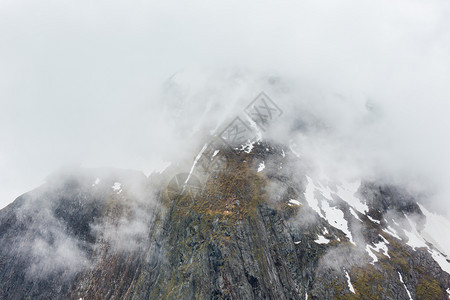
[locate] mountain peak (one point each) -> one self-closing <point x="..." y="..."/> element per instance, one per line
<point x="249" y="222"/>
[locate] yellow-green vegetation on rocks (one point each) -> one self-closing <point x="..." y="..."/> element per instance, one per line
<point x="233" y="194"/>
<point x="368" y="282"/>
<point x="235" y="233"/>
<point x="429" y="288"/>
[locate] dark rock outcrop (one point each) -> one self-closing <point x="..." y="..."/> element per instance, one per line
<point x="237" y="237"/>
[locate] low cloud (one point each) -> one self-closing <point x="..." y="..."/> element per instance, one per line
<point x="363" y="86"/>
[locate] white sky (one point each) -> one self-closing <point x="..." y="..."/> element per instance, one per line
<point x="80" y="81"/>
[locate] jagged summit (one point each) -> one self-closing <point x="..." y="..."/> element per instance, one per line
<point x="252" y="222"/>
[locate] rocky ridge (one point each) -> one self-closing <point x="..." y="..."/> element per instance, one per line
<point x="248" y="223"/>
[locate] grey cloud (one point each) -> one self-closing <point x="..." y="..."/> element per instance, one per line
<point x="364" y="86"/>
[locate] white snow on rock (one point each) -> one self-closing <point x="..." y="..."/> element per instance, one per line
<point x="97" y="181"/>
<point x="311" y="199"/>
<point x="354" y="214"/>
<point x="401" y="280"/>
<point x="448" y="293"/>
<point x="347" y="192"/>
<point x="199" y="155"/>
<point x="333" y="215"/>
<point x="325" y="191"/>
<point x="321" y="240"/>
<point x="440" y="259"/>
<point x="380" y="246"/>
<point x="414" y="238"/>
<point x="391" y="231"/>
<point x="247" y="148"/>
<point x="215" y="153"/>
<point x="335" y="218"/>
<point x="385" y="240"/>
<point x="293" y="202"/>
<point x="117" y="187"/>
<point x="373" y="220"/>
<point x="349" y="283"/>
<point x="435" y="232"/>
<point x="297" y="242"/>
<point x="436" y="228"/>
<point x="261" y="167"/>
<point x="373" y="256"/>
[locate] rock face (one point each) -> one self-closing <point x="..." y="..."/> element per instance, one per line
<point x="253" y="225"/>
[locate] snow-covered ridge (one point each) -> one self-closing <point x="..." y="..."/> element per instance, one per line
<point x="332" y="214"/>
<point x="322" y="199"/>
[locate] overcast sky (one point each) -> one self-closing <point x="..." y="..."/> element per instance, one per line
<point x="83" y="82"/>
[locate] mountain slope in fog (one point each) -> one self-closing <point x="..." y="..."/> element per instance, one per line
<point x="252" y="223"/>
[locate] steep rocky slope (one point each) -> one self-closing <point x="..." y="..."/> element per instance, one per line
<point x="256" y="223"/>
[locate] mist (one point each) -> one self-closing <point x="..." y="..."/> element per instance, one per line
<point x="137" y="85"/>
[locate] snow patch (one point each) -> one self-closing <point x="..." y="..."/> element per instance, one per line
<point x="435" y="228"/>
<point x="335" y="218"/>
<point x="349" y="283"/>
<point x="385" y="240"/>
<point x="380" y="246"/>
<point x="440" y="259"/>
<point x="294" y="202"/>
<point x="347" y="192"/>
<point x="247" y="148"/>
<point x="261" y="167"/>
<point x="321" y="240"/>
<point x="297" y="242"/>
<point x="354" y="214"/>
<point x="195" y="162"/>
<point x="117" y="187"/>
<point x="401" y="280"/>
<point x="325" y="191"/>
<point x="333" y="215"/>
<point x="215" y="153"/>
<point x="312" y="201"/>
<point x="414" y="238"/>
<point x="373" y="220"/>
<point x="391" y="231"/>
<point x="373" y="256"/>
